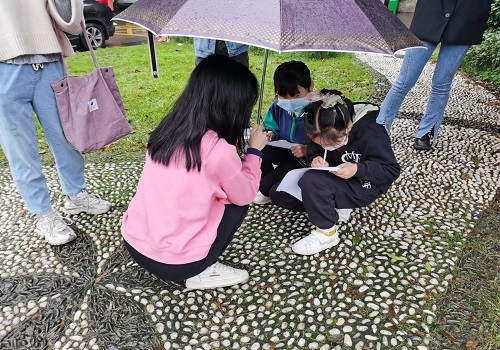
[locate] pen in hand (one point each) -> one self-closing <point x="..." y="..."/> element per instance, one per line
<point x="324" y="156"/>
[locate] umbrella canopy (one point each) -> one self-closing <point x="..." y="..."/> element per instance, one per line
<point x="279" y="25"/>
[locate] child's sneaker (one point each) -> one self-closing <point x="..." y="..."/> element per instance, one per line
<point x="86" y="203"/>
<point x="260" y="199"/>
<point x="55" y="229"/>
<point x="344" y="214"/>
<point x="217" y="275"/>
<point x="317" y="241"/>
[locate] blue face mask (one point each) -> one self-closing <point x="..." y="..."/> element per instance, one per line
<point x="293" y="106"/>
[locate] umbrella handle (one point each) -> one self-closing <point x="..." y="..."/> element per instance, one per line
<point x="261" y="92"/>
<point x="152" y="55"/>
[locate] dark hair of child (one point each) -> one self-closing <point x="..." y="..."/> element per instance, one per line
<point x="328" y="123"/>
<point x="219" y="96"/>
<point x="288" y="76"/>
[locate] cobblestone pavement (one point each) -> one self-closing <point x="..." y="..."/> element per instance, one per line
<point x="375" y="290"/>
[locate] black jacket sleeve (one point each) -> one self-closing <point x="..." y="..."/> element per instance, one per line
<point x="380" y="166"/>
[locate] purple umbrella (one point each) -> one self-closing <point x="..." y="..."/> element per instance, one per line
<point x="278" y="25"/>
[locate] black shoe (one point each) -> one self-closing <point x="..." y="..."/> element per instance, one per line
<point x="423" y="143"/>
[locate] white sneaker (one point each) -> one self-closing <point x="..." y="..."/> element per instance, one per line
<point x="87" y="203"/>
<point x="344" y="214"/>
<point x="317" y="241"/>
<point x="260" y="199"/>
<point x="217" y="275"/>
<point x="55" y="229"/>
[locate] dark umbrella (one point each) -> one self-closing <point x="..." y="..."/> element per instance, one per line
<point x="278" y="25"/>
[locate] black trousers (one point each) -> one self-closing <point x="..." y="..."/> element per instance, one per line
<point x="285" y="161"/>
<point x="322" y="192"/>
<point x="231" y="221"/>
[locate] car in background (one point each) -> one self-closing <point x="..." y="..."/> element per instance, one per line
<point x="108" y="3"/>
<point x="98" y="23"/>
<point x="123" y="4"/>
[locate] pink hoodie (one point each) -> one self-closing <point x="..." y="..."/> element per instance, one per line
<point x="174" y="215"/>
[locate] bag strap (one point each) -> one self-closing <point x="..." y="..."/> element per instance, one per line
<point x="87" y="40"/>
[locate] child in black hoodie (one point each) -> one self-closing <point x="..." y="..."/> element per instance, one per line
<point x="344" y="135"/>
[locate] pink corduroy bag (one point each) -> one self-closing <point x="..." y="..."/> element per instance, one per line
<point x="91" y="107"/>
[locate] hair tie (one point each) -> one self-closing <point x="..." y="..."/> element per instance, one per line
<point x="329" y="101"/>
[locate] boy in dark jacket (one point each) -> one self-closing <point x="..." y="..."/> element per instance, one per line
<point x="346" y="136"/>
<point x="285" y="121"/>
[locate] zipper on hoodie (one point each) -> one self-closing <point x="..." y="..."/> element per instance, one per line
<point x="292" y="128"/>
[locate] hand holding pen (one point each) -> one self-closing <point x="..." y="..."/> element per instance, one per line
<point x="320" y="162"/>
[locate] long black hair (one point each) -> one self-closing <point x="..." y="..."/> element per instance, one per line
<point x="328" y="123"/>
<point x="219" y="96"/>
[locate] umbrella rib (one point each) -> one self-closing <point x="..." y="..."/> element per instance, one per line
<point x="281" y="24"/>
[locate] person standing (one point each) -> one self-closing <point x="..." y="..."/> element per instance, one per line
<point x="456" y="25"/>
<point x="205" y="47"/>
<point x="32" y="39"/>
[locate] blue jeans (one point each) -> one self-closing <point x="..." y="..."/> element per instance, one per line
<point x="23" y="91"/>
<point x="449" y="59"/>
<point x="206" y="47"/>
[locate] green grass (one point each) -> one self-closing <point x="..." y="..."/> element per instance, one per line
<point x="147" y="99"/>
<point x="473" y="297"/>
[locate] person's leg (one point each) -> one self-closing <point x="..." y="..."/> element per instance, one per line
<point x="231" y="221"/>
<point x="285" y="200"/>
<point x="322" y="194"/>
<point x="449" y="59"/>
<point x="69" y="162"/>
<point x="271" y="156"/>
<point x="221" y="48"/>
<point x="276" y="175"/>
<point x="18" y="135"/>
<point x="413" y="64"/>
<point x="242" y="58"/>
<point x="198" y="60"/>
<point x="275" y="156"/>
<point x="20" y="145"/>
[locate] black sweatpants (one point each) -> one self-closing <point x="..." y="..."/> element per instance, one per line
<point x="231" y="221"/>
<point x="322" y="192"/>
<point x="285" y="161"/>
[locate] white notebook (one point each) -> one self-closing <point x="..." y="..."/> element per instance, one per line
<point x="290" y="182"/>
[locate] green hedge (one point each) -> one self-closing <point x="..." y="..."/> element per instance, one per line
<point x="483" y="61"/>
<point x="494" y="20"/>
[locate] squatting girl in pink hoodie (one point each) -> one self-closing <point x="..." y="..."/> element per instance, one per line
<point x="195" y="189"/>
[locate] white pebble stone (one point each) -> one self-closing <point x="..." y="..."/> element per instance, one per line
<point x="347" y="329"/>
<point x="363" y="289"/>
<point x="347" y="340"/>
